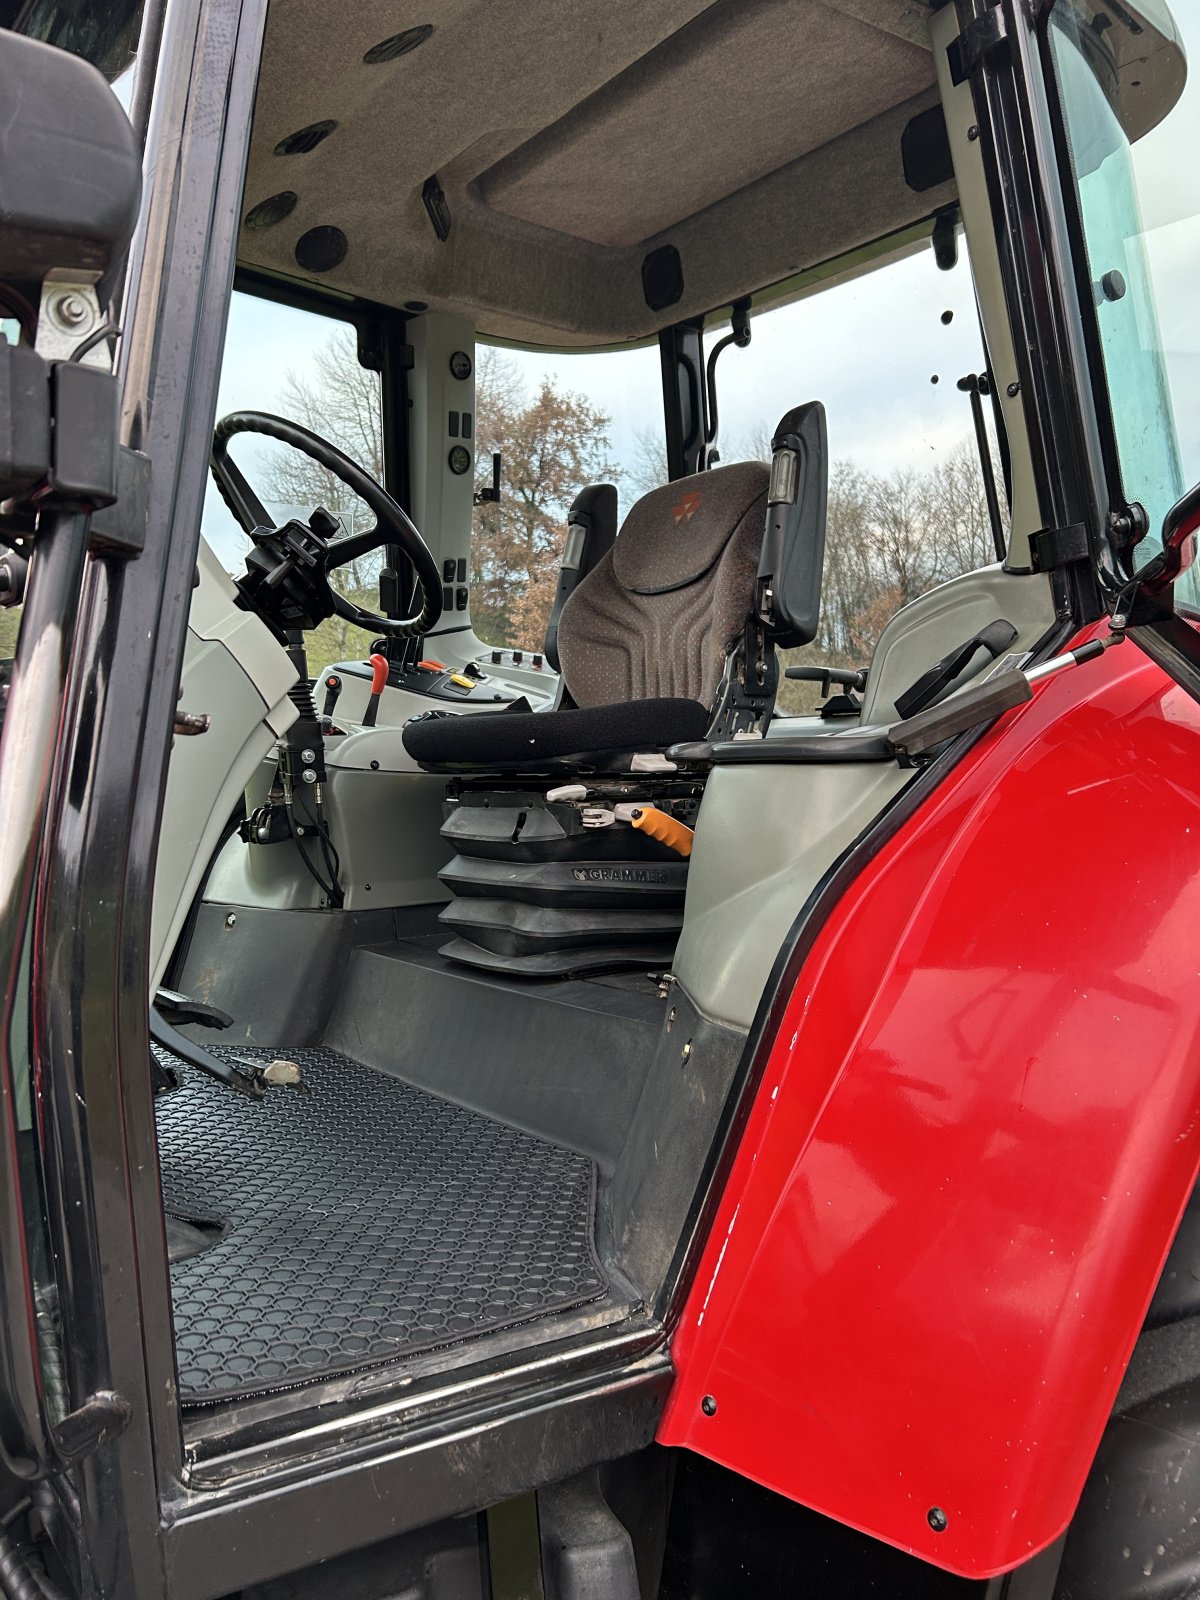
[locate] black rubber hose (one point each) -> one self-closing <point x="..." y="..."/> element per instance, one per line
<point x="20" y="1579"/>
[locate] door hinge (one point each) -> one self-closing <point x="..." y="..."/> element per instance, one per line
<point x="59" y="451"/>
<point x="978" y="40"/>
<point x="1058" y="547"/>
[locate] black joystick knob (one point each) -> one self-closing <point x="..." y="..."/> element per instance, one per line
<point x="333" y="688"/>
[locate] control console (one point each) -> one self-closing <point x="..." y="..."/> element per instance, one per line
<point x="440" y="682"/>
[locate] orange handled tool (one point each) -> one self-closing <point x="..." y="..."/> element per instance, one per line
<point x="667" y="830"/>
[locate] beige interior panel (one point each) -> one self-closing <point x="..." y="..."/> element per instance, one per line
<point x="760" y="137"/>
<point x="936" y="623"/>
<point x="721" y="104"/>
<point x="765" y="837"/>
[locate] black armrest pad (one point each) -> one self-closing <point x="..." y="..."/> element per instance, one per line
<point x="813" y="749"/>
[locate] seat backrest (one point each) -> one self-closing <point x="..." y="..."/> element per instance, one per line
<point x="658" y="614"/>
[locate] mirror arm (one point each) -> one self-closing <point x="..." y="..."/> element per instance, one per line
<point x="1181" y="525"/>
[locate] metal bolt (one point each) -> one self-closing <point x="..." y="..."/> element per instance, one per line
<point x="309" y="775"/>
<point x="230" y="920"/>
<point x="1013" y="390"/>
<point x="367" y="887"/>
<point x="938" y="1520"/>
<point x="308" y="757"/>
<point x="72" y="310"/>
<point x="973" y="132"/>
<point x="709" y="1407"/>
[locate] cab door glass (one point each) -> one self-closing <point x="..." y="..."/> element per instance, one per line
<point x="1133" y="138"/>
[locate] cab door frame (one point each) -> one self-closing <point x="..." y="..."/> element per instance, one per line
<point x="193" y="101"/>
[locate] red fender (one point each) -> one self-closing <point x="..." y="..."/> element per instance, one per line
<point x="976" y="1132"/>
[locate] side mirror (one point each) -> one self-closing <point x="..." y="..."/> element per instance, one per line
<point x="70" y="175"/>
<point x="793" y="550"/>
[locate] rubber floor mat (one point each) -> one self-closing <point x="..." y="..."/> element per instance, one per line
<point x="362" y="1221"/>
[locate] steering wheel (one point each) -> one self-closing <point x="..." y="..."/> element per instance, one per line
<point x="392" y="526"/>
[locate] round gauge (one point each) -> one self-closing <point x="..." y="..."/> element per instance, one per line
<point x="460" y="364"/>
<point x="460" y="459"/>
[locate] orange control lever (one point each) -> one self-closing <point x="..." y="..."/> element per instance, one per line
<point x="667" y="830"/>
<point x="379" y="678"/>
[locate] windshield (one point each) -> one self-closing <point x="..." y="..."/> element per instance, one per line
<point x="302" y="365"/>
<point x="1133" y="137"/>
<point x="559" y="421"/>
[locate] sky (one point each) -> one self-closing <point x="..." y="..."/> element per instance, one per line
<point x="869" y="349"/>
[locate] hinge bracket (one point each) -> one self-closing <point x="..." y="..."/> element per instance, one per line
<point x="978" y="40"/>
<point x="1058" y="547"/>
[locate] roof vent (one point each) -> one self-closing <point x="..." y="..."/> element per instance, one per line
<point x="398" y="45"/>
<point x="321" y="249"/>
<point x="272" y="210"/>
<point x="304" y="139"/>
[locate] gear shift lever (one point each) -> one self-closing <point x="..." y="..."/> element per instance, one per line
<point x="379" y="678"/>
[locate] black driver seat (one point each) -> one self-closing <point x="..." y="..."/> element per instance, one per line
<point x="642" y="641"/>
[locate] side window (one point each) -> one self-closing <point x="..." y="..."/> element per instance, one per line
<point x="907" y="509"/>
<point x="884" y="351"/>
<point x="304" y="367"/>
<point x="560" y="422"/>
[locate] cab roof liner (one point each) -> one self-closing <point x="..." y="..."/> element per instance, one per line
<point x="518" y="162"/>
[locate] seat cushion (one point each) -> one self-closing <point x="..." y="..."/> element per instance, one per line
<point x="508" y="738"/>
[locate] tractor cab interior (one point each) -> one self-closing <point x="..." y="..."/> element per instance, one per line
<point x="461" y="934"/>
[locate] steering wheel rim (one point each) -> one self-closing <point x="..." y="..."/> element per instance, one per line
<point x="393" y="524"/>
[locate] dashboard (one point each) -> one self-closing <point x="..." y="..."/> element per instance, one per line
<point x="488" y="680"/>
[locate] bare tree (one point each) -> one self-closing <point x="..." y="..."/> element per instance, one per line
<point x="340" y="400"/>
<point x="648" y="469"/>
<point x="888" y="540"/>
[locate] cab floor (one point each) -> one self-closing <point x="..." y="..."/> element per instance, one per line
<point x="357" y="1222"/>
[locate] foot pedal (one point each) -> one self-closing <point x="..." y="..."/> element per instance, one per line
<point x="180" y="1009"/>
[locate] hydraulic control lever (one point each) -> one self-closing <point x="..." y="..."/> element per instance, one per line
<point x="379" y="678"/>
<point x="333" y="688"/>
